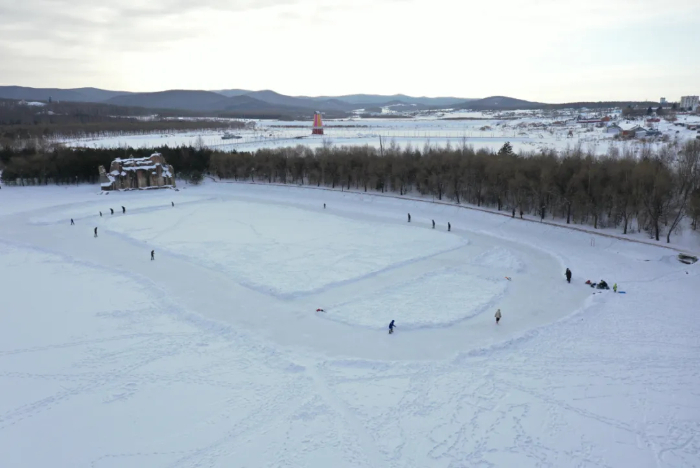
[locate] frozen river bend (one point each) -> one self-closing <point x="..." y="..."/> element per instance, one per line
<point x="214" y="354"/>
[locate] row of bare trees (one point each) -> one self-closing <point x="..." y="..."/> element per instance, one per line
<point x="652" y="190"/>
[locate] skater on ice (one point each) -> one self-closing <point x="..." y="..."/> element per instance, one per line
<point x="123" y="210"/>
<point x="568" y="275"/>
<point x="498" y="316"/>
<point x="100" y="214"/>
<point x="324" y="206"/>
<point x="173" y="203"/>
<point x="112" y="210"/>
<point x="71" y="222"/>
<point x="433" y="224"/>
<point x="449" y="227"/>
<point x="391" y="327"/>
<point x="153" y="254"/>
<point x="409" y="217"/>
<point x="95" y="232"/>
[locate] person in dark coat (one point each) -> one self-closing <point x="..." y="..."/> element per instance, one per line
<point x="153" y="254"/>
<point x="173" y="203"/>
<point x="72" y="222"/>
<point x="111" y="210"/>
<point x="433" y="224"/>
<point x="95" y="232"/>
<point x="324" y="206"/>
<point x="391" y="327"/>
<point x="409" y="217"/>
<point x="449" y="227"/>
<point x="568" y="275"/>
<point x="123" y="210"/>
<point x="100" y="214"/>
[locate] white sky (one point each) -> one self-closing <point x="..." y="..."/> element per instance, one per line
<point x="542" y="50"/>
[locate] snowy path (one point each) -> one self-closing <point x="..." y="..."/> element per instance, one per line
<point x="108" y="359"/>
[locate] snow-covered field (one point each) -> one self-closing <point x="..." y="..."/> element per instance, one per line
<point x="214" y="354"/>
<point x="526" y="131"/>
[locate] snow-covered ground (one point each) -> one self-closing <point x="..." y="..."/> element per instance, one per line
<point x="214" y="354"/>
<point x="525" y="130"/>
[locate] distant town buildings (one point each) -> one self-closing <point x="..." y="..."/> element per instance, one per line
<point x="689" y="102"/>
<point x="138" y="173"/>
<point x="662" y="101"/>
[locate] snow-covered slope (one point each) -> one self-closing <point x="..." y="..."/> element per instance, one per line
<point x="214" y="354"/>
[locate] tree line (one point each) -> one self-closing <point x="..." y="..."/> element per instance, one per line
<point x="58" y="165"/>
<point x="19" y="123"/>
<point x="652" y="190"/>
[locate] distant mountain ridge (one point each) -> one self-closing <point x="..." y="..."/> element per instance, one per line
<point x="501" y="103"/>
<point x="268" y="102"/>
<point x="203" y="100"/>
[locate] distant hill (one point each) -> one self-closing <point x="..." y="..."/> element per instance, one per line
<point x="173" y="99"/>
<point x="43" y="94"/>
<point x="347" y="102"/>
<point x="378" y="99"/>
<point x="215" y="103"/>
<point x="323" y="104"/>
<point x="500" y="103"/>
<point x="232" y="92"/>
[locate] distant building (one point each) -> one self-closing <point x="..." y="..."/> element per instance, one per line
<point x="662" y="101"/>
<point x="632" y="131"/>
<point x="689" y="102"/>
<point x="613" y="129"/>
<point x="138" y="173"/>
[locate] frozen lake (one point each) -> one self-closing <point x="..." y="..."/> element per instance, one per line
<point x="214" y="354"/>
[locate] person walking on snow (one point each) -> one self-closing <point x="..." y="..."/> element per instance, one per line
<point x="72" y="223"/>
<point x="112" y="210"/>
<point x="95" y="232"/>
<point x="498" y="316"/>
<point x="409" y="217"/>
<point x="449" y="227"/>
<point x="391" y="327"/>
<point x="123" y="210"/>
<point x="568" y="275"/>
<point x="433" y="224"/>
<point x="153" y="254"/>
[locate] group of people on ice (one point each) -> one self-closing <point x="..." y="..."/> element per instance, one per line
<point x="449" y="226"/>
<point x="153" y="252"/>
<point x="602" y="284"/>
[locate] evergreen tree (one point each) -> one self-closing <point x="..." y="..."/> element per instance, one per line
<point x="506" y="149"/>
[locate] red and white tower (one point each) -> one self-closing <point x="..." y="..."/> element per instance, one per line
<point x="318" y="125"/>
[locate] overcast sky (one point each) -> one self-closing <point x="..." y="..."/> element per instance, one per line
<point x="543" y="50"/>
